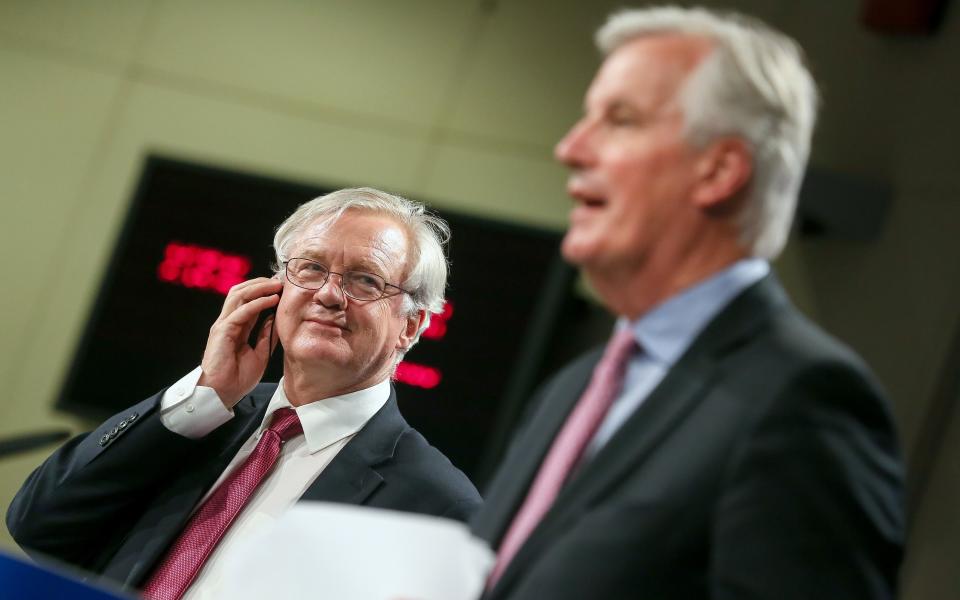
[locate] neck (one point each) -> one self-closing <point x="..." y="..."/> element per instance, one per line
<point x="632" y="290"/>
<point x="312" y="384"/>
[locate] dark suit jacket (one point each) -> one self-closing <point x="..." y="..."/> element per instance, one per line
<point x="764" y="466"/>
<point x="113" y="500"/>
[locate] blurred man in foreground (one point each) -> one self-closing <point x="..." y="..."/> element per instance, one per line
<point x="161" y="493"/>
<point x="721" y="445"/>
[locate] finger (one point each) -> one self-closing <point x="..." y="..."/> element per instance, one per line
<point x="247" y="291"/>
<point x="236" y="326"/>
<point x="246" y="315"/>
<point x="239" y="288"/>
<point x="254" y="288"/>
<point x="235" y="296"/>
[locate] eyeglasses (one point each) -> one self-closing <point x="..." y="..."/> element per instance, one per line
<point x="311" y="275"/>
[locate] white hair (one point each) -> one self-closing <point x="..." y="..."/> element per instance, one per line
<point x="754" y="85"/>
<point x="427" y="233"/>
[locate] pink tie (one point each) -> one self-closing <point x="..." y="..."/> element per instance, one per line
<point x="208" y="524"/>
<point x="568" y="446"/>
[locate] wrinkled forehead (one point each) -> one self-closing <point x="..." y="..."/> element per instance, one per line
<point x="357" y="240"/>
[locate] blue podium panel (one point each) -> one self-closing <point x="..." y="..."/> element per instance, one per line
<point x="21" y="579"/>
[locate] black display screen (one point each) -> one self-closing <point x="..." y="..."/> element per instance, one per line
<point x="193" y="231"/>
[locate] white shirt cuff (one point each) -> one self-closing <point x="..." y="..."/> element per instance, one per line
<point x="192" y="410"/>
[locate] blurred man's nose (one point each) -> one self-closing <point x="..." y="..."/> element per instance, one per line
<point x="574" y="149"/>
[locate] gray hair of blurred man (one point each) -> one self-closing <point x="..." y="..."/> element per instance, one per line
<point x="427" y="233"/>
<point x="754" y="85"/>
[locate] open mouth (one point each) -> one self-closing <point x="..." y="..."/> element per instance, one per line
<point x="587" y="202"/>
<point x="584" y="195"/>
<point x="593" y="202"/>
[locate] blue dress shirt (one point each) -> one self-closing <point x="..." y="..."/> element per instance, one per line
<point x="665" y="332"/>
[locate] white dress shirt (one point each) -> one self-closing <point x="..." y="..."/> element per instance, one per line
<point x="194" y="411"/>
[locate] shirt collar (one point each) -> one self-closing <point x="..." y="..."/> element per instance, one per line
<point x="667" y="330"/>
<point x="331" y="419"/>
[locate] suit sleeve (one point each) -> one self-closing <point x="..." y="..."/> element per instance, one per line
<point x="812" y="501"/>
<point x="85" y="497"/>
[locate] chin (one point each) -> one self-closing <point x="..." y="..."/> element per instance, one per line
<point x="576" y="250"/>
<point x="315" y="351"/>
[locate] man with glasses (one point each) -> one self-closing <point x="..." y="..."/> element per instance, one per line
<point x="158" y="495"/>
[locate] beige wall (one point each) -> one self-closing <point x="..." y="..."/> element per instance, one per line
<point x="458" y="102"/>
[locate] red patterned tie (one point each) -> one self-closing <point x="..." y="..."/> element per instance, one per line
<point x="208" y="524"/>
<point x="567" y="447"/>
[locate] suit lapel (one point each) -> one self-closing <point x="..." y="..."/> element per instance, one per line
<point x="686" y="384"/>
<point x="677" y="395"/>
<point x="523" y="459"/>
<point x="636" y="439"/>
<point x="351" y="476"/>
<point x="166" y="518"/>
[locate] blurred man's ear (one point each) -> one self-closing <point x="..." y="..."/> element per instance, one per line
<point x="723" y="169"/>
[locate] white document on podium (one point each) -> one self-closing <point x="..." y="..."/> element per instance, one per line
<point x="343" y="552"/>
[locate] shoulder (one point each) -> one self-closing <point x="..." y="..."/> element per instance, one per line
<point x="795" y="351"/>
<point x="779" y="372"/>
<point x="761" y="339"/>
<point x="416" y="477"/>
<point x="794" y="380"/>
<point x="422" y="473"/>
<point x="771" y="327"/>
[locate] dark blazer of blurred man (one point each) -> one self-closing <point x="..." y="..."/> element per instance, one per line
<point x="359" y="270"/>
<point x="743" y="453"/>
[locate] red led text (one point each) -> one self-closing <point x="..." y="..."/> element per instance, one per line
<point x="417" y="375"/>
<point x="438" y="323"/>
<point x="204" y="268"/>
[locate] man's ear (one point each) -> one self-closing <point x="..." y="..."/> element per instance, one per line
<point x="411" y="330"/>
<point x="724" y="168"/>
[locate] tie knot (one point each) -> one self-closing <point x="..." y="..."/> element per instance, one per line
<point x="285" y="423"/>
<point x="620" y="346"/>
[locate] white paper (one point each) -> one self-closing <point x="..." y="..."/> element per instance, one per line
<point x="343" y="552"/>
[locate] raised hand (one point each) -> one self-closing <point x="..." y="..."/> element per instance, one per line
<point x="230" y="365"/>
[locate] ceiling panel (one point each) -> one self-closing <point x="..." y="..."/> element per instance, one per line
<point x="360" y="57"/>
<point x="526" y="80"/>
<point x="103" y="28"/>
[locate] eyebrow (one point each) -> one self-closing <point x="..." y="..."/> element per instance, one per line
<point x="623" y="106"/>
<point x="366" y="264"/>
<point x="620" y="104"/>
<point x="311" y="252"/>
